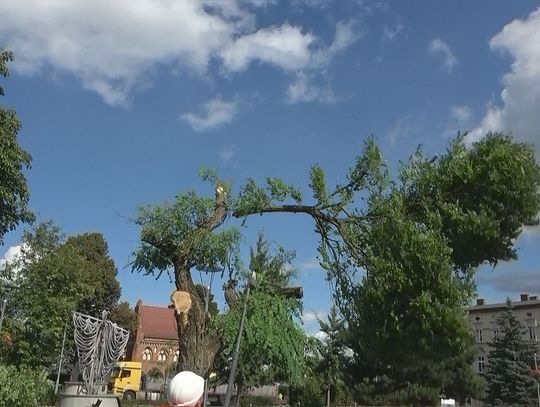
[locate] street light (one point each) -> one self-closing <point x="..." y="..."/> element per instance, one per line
<point x="5" y="297"/>
<point x="537" y="384"/>
<point x="234" y="364"/>
<point x="3" y="310"/>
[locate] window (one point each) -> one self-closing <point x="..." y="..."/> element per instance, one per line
<point x="532" y="333"/>
<point x="479" y="335"/>
<point x="481" y="364"/>
<point x="147" y="354"/>
<point x="125" y="373"/>
<point x="162" y="356"/>
<point x="176" y="355"/>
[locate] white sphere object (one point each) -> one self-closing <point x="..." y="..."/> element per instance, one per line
<point x="185" y="389"/>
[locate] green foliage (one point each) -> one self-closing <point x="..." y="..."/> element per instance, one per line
<point x="124" y="316"/>
<point x="332" y="363"/>
<point x="155" y="374"/>
<point x="272" y="345"/>
<point x="22" y="387"/>
<point x="310" y="393"/>
<point x="55" y="278"/>
<point x="14" y="193"/>
<point x="479" y="197"/>
<point x="402" y="254"/>
<point x="166" y="228"/>
<point x="99" y="275"/>
<point x="509" y="364"/>
<point x="253" y="199"/>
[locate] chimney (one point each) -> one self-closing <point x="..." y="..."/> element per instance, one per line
<point x="524" y="297"/>
<point x="480" y="301"/>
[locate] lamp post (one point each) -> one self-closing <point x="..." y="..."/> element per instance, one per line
<point x="57" y="384"/>
<point x="7" y="285"/>
<point x="537" y="384"/>
<point x="3" y="310"/>
<point x="207" y="296"/>
<point x="234" y="364"/>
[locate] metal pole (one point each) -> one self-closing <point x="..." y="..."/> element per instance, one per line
<point x="206" y="301"/>
<point x="537" y="384"/>
<point x="232" y="373"/>
<point x="60" y="361"/>
<point x="4" y="303"/>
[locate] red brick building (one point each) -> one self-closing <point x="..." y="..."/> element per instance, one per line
<point x="155" y="343"/>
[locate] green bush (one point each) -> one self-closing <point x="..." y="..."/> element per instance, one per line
<point x="22" y="387"/>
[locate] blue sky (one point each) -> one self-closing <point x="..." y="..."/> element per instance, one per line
<point x="122" y="102"/>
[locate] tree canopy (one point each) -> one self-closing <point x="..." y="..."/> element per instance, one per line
<point x="53" y="278"/>
<point x="178" y="237"/>
<point x="14" y="193"/>
<point x="400" y="251"/>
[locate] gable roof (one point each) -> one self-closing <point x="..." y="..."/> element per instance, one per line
<point x="158" y="322"/>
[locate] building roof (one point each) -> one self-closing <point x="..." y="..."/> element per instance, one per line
<point x="158" y="322"/>
<point x="502" y="306"/>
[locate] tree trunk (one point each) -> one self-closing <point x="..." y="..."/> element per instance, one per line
<point x="197" y="348"/>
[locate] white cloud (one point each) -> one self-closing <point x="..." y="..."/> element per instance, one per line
<point x="216" y="113"/>
<point x="406" y="128"/>
<point x="11" y="257"/>
<point x="286" y="47"/>
<point x="458" y="121"/>
<point x="226" y="154"/>
<point x="108" y="45"/>
<point x="460" y="114"/>
<point x="390" y="33"/>
<point x="12" y="254"/>
<point x="321" y="336"/>
<point x="113" y="48"/>
<point x="520" y="96"/>
<point x="311" y="316"/>
<point x="436" y="46"/>
<point x="310" y="84"/>
<point x="261" y="3"/>
<point x="309" y="264"/>
<point x="304" y="89"/>
<point x="346" y="34"/>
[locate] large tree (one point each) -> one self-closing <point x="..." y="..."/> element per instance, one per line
<point x="509" y="365"/>
<point x="14" y="193"/>
<point x="100" y="277"/>
<point x="53" y="278"/>
<point x="402" y="253"/>
<point x="333" y="357"/>
<point x="179" y="237"/>
<point x="405" y="249"/>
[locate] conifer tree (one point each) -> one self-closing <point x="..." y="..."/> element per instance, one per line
<point x="507" y="373"/>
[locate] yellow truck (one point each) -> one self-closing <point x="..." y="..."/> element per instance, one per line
<point x="125" y="381"/>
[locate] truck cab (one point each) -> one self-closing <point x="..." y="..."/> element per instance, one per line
<point x="125" y="380"/>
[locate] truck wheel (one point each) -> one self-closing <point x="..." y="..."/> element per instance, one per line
<point x="129" y="395"/>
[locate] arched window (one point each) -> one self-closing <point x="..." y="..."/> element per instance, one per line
<point x="176" y="355"/>
<point x="162" y="356"/>
<point x="147" y="354"/>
